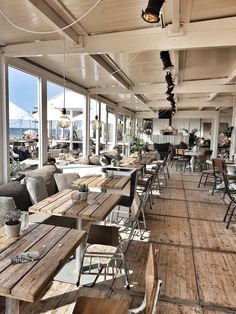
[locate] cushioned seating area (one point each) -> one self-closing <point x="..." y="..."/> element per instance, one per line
<point x="18" y="192"/>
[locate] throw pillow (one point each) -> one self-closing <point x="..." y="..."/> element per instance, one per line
<point x="36" y="188"/>
<point x="64" y="180"/>
<point x="94" y="160"/>
<point x="6" y="204"/>
<point x="47" y="173"/>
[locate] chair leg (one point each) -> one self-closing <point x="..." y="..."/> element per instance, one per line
<point x="125" y="271"/>
<point x="206" y="180"/>
<point x="230" y="217"/>
<point x="200" y="181"/>
<point x="227" y="211"/>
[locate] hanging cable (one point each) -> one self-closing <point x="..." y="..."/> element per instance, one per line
<point x="49" y="32"/>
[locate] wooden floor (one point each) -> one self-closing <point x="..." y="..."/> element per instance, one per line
<point x="197" y="257"/>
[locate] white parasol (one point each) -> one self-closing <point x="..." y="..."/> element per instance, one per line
<point x="16" y="113"/>
<point x="52" y="114"/>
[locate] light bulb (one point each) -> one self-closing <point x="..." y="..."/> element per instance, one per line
<point x="64" y="120"/>
<point x="96" y="124"/>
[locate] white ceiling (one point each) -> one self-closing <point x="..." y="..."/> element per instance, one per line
<point x="113" y="52"/>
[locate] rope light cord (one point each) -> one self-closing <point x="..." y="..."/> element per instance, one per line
<point x="49" y="32"/>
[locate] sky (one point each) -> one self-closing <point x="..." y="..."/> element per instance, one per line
<point x="23" y="89"/>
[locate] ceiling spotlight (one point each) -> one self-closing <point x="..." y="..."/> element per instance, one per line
<point x="170" y="97"/>
<point x="169" y="80"/>
<point x="151" y="14"/>
<point x="169" y="90"/>
<point x="173" y="103"/>
<point x="165" y="58"/>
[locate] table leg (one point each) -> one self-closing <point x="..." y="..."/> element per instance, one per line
<point x="12" y="306"/>
<point x="192" y="162"/>
<point x="80" y="249"/>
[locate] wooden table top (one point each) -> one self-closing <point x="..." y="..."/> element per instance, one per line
<point x="97" y="181"/>
<point x="61" y="204"/>
<point x="27" y="281"/>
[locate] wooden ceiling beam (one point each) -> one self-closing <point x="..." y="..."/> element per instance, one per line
<point x="206" y="34"/>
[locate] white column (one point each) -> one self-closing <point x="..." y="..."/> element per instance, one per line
<point x="233" y="135"/>
<point x="98" y="130"/>
<point x="71" y="130"/>
<point x="115" y="127"/>
<point x="43" y="136"/>
<point x="4" y="122"/>
<point x="215" y="134"/>
<point x="86" y="123"/>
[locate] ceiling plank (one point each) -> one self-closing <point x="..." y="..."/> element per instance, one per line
<point x="43" y="7"/>
<point x="194" y="35"/>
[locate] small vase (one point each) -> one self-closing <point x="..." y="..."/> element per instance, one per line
<point x="84" y="196"/>
<point x="12" y="231"/>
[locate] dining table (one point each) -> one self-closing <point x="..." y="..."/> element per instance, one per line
<point x="113" y="184"/>
<point x="193" y="154"/>
<point x="95" y="209"/>
<point x="24" y="277"/>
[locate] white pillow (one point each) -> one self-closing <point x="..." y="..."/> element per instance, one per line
<point x="64" y="180"/>
<point x="36" y="188"/>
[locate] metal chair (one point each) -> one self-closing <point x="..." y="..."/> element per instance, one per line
<point x="229" y="192"/>
<point x="100" y="239"/>
<point x="182" y="161"/>
<point x="86" y="305"/>
<point x="128" y="222"/>
<point x="218" y="166"/>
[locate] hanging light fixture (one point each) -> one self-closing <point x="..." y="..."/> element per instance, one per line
<point x="64" y="120"/>
<point x="165" y="58"/>
<point x="120" y="126"/>
<point x="96" y="124"/>
<point x="151" y="14"/>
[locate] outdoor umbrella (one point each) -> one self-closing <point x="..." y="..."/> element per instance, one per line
<point x="16" y="113"/>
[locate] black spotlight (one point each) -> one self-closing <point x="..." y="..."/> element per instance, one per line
<point x="151" y="14"/>
<point x="172" y="103"/>
<point x="170" y="97"/>
<point x="169" y="80"/>
<point x="169" y="90"/>
<point x="165" y="58"/>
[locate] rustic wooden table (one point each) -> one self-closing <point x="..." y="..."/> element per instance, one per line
<point x="96" y="208"/>
<point x="28" y="281"/>
<point x="117" y="183"/>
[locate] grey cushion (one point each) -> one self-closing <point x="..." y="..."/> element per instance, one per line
<point x="18" y="192"/>
<point x="64" y="180"/>
<point x="6" y="204"/>
<point x="47" y="172"/>
<point x="94" y="160"/>
<point x="36" y="188"/>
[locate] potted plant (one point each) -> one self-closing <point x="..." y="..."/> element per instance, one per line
<point x="13" y="224"/>
<point x="83" y="189"/>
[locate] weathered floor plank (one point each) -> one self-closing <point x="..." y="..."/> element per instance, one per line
<point x="169" y="230"/>
<point x="212" y="235"/>
<point x="216" y="278"/>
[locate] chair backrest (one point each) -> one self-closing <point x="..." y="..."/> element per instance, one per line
<point x="180" y="151"/>
<point x="152" y="284"/>
<point x="135" y="207"/>
<point x="218" y="165"/>
<point x="226" y="182"/>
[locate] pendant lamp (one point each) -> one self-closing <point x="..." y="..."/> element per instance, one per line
<point x="64" y="120"/>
